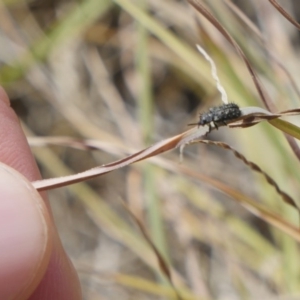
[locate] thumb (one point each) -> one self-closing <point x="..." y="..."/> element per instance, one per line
<point x="25" y="240"/>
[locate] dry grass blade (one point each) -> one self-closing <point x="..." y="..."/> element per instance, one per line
<point x="162" y="263"/>
<point x="249" y="23"/>
<point x="284" y="13"/>
<point x="286" y="198"/>
<point x="153" y="150"/>
<point x="201" y="8"/>
<point x="293" y="145"/>
<point x="66" y="141"/>
<point x="253" y="115"/>
<point x="290" y="112"/>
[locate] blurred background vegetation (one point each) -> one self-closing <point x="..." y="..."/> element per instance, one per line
<point x="127" y="73"/>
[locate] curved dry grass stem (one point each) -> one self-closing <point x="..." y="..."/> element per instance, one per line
<point x="286" y="198"/>
<point x="163" y="265"/>
<point x="263" y="95"/>
<point x="285" y="13"/>
<point x="253" y="27"/>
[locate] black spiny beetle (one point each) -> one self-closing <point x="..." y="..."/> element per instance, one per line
<point x="219" y="115"/>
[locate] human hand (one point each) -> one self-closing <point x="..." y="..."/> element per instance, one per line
<point x="33" y="264"/>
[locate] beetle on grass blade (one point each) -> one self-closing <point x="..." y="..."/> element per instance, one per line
<point x="219" y="115"/>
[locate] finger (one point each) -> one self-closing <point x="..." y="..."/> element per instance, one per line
<point x="60" y="280"/>
<point x="25" y="237"/>
<point x="14" y="150"/>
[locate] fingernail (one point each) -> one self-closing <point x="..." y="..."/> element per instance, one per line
<point x="24" y="236"/>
